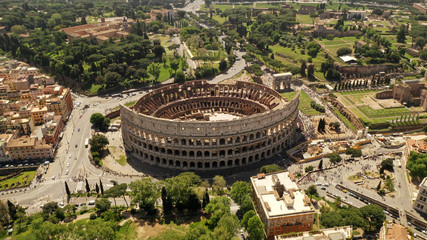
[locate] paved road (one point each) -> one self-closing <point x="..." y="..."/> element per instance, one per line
<point x="237" y="67"/>
<point x="52" y="189"/>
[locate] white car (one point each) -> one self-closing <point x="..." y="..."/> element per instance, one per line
<point x="53" y="177"/>
<point x="67" y="171"/>
<point x="68" y="164"/>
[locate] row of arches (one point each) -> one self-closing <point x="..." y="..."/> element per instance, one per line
<point x="156" y="139"/>
<point x="225" y="163"/>
<point x="208" y="152"/>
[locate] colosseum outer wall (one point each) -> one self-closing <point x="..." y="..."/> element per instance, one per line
<point x="206" y="145"/>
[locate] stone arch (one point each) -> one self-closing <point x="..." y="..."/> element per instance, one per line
<point x="230" y="163"/>
<point x="222" y="164"/>
<point x="192" y="165"/>
<point x="177" y="164"/>
<point x="199" y="165"/>
<point x="207" y="165"/>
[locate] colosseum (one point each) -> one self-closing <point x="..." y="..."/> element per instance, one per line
<point x="204" y="126"/>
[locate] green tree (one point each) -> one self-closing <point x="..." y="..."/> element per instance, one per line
<point x="239" y="191"/>
<point x="180" y="187"/>
<point x="18" y="29"/>
<point x="97" y="188"/>
<point x="255" y="228"/>
<point x="401" y="35"/>
<point x="309" y="168"/>
<point x="217" y="208"/>
<point x="167" y="203"/>
<point x="112" y="79"/>
<point x="312" y="191"/>
<point x="219" y="184"/>
<point x="248" y="215"/>
<point x="154" y="70"/>
<point x="270" y="168"/>
<point x="179" y="76"/>
<point x="206" y="199"/>
<point x="102" y="205"/>
<point x="174" y="65"/>
<point x="334" y="158"/>
<point x="320" y="164"/>
<point x="99" y="121"/>
<point x="420" y="42"/>
<point x="227" y="227"/>
<point x="331" y="219"/>
<point x="158" y="51"/>
<point x="344" y="51"/>
<point x="353" y="152"/>
<point x="118" y="190"/>
<point x="374" y="217"/>
<point x="98" y="142"/>
<point x="144" y="193"/>
<point x="223" y="65"/>
<point x="4" y="213"/>
<point x="303" y="67"/>
<point x="387" y="164"/>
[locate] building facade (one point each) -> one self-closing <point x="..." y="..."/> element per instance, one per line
<point x="421" y="201"/>
<point x="281" y="205"/>
<point x="26" y="147"/>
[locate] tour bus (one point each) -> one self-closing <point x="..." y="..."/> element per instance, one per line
<point x="86" y="142"/>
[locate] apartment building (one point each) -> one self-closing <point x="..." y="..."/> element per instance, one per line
<point x="281" y="205"/>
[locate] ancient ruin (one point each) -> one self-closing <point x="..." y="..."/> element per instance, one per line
<point x="209" y="126"/>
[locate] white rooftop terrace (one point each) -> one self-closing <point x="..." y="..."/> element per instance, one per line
<point x="274" y="207"/>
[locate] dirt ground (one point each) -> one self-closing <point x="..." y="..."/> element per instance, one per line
<point x="116" y="149"/>
<point x="243" y="78"/>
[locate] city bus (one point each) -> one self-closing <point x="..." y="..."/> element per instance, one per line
<point x="86" y="142"/>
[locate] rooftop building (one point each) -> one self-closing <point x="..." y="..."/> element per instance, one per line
<point x="26" y="147"/>
<point x="420" y="203"/>
<point x="281" y="205"/>
<point x="102" y="31"/>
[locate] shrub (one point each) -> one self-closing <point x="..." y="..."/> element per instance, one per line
<point x="344" y="51"/>
<point x="92" y="216"/>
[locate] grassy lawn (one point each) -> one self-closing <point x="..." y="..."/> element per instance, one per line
<point x="304" y="105"/>
<point x="377" y="113"/>
<point x="122" y="160"/>
<point x="289" y="95"/>
<point x="345" y="120"/>
<point x="20" y="180"/>
<point x="296" y="57"/>
<point x="304" y="102"/>
<point x="94" y="88"/>
<point x="171" y="231"/>
<point x="304" y="19"/>
<point x="127" y="231"/>
<point x="128" y="104"/>
<point x="357" y="92"/>
<point x="219" y="19"/>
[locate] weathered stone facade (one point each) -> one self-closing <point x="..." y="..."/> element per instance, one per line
<point x="171" y="126"/>
<point x="347" y="113"/>
<point x="356" y="71"/>
<point x="282" y="81"/>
